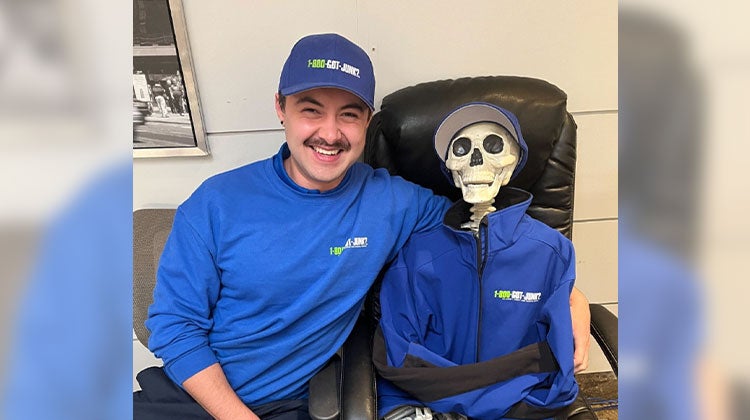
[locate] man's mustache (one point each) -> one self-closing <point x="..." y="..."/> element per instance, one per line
<point x="338" y="144"/>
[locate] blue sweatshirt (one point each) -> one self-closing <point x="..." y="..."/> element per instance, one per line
<point x="268" y="278"/>
<point x="480" y="325"/>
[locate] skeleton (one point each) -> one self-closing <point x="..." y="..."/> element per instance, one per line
<point x="481" y="157"/>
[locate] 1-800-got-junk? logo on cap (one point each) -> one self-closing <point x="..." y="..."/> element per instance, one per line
<point x="322" y="63"/>
<point x="328" y="60"/>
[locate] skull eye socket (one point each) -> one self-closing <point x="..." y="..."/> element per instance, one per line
<point x="493" y="144"/>
<point x="461" y="146"/>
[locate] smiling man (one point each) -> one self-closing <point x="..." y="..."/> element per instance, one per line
<point x="267" y="266"/>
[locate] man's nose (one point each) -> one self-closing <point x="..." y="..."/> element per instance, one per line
<point x="329" y="129"/>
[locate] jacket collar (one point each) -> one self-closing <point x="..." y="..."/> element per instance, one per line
<point x="511" y="204"/>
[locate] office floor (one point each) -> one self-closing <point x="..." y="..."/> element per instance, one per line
<point x="600" y="390"/>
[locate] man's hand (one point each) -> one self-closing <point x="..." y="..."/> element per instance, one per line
<point x="581" y="314"/>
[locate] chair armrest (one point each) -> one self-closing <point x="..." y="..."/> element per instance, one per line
<point x="348" y="378"/>
<point x="358" y="394"/>
<point x="581" y="410"/>
<point x="604" y="330"/>
<point x="325" y="391"/>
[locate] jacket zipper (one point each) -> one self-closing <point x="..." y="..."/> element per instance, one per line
<point x="481" y="260"/>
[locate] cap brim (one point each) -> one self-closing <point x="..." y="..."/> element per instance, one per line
<point x="464" y="116"/>
<point x="293" y="90"/>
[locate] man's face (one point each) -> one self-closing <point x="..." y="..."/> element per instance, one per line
<point x="325" y="130"/>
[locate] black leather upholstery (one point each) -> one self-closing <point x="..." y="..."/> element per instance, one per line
<point x="604" y="330"/>
<point x="345" y="388"/>
<point x="358" y="394"/>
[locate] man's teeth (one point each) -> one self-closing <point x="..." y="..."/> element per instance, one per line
<point x="326" y="152"/>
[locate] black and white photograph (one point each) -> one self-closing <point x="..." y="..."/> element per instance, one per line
<point x="166" y="114"/>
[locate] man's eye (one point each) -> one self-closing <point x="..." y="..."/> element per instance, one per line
<point x="310" y="111"/>
<point x="493" y="144"/>
<point x="461" y="146"/>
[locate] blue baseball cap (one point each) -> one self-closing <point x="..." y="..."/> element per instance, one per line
<point x="475" y="112"/>
<point x="328" y="60"/>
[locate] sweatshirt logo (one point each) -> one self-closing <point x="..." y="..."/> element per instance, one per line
<point x="356" y="242"/>
<point x="518" y="296"/>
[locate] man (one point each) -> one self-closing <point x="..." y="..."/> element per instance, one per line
<point x="267" y="265"/>
<point x="175" y="90"/>
<point x="160" y="96"/>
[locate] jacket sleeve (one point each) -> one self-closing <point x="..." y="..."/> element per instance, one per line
<point x="402" y="324"/>
<point x="556" y="314"/>
<point x="186" y="291"/>
<point x="401" y="321"/>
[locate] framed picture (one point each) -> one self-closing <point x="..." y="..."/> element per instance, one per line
<point x="167" y="119"/>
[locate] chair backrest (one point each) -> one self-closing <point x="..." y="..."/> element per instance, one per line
<point x="151" y="228"/>
<point x="400" y="138"/>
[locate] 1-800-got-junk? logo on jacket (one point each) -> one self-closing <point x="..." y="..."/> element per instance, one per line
<point x="356" y="242"/>
<point x="518" y="295"/>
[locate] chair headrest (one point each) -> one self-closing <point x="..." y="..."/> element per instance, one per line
<point x="400" y="137"/>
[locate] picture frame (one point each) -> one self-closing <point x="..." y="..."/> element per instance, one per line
<point x="167" y="117"/>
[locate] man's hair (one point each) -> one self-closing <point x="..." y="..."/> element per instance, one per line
<point x="282" y="105"/>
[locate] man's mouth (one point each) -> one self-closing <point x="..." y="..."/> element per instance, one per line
<point x="326" y="152"/>
<point x="325" y="149"/>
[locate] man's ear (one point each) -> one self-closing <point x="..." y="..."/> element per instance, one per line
<point x="370" y="114"/>
<point x="277" y="106"/>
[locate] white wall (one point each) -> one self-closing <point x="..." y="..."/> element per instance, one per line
<point x="239" y="48"/>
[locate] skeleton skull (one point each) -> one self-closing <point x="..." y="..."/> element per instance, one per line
<point x="482" y="157"/>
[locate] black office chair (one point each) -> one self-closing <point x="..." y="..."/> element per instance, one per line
<point x="344" y="388"/>
<point x="400" y="139"/>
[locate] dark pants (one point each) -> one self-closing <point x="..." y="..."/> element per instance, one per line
<point x="162" y="399"/>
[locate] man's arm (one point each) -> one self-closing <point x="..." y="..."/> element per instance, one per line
<point x="581" y="314"/>
<point x="180" y="318"/>
<point x="212" y="391"/>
